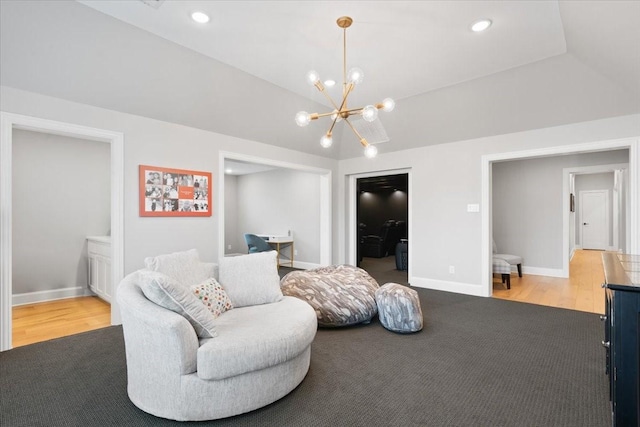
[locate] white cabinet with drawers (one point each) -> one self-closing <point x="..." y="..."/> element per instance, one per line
<point x="99" y="268"/>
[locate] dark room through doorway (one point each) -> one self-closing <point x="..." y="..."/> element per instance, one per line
<point x="382" y="218"/>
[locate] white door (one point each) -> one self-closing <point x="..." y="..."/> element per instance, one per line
<point x="594" y="219"/>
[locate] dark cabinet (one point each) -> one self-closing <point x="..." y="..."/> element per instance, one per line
<point x="622" y="336"/>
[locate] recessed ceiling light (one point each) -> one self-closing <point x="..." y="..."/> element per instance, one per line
<point x="481" y="25"/>
<point x="228" y="171"/>
<point x="329" y="83"/>
<point x="200" y="17"/>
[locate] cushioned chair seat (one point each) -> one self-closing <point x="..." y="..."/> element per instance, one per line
<point x="503" y="268"/>
<point x="511" y="259"/>
<point x="341" y="295"/>
<point x="254" y="338"/>
<point x="256" y="244"/>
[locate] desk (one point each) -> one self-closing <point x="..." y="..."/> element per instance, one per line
<point x="279" y="243"/>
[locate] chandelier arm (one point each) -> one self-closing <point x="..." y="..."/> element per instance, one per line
<point x="324" y="92"/>
<point x="330" y="113"/>
<point x="344" y="99"/>
<point x="333" y="124"/>
<point x="354" y="110"/>
<point x="363" y="141"/>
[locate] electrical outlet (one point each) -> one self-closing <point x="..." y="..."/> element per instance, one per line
<point x="452" y="269"/>
<point x="229" y="247"/>
<point x="295" y="252"/>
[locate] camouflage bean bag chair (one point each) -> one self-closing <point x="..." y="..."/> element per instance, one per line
<point x="341" y="295"/>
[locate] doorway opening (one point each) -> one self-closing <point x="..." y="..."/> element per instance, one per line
<point x="262" y="196"/>
<point x="381" y="214"/>
<point x="633" y="191"/>
<point x="12" y="123"/>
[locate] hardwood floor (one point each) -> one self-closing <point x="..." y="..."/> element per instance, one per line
<point x="582" y="291"/>
<point x="54" y="319"/>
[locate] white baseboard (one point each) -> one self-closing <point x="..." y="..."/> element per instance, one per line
<point x="539" y="271"/>
<point x="608" y="248"/>
<point x="305" y="265"/>
<point x="443" y="285"/>
<point x="50" y="295"/>
<point x="573" y="252"/>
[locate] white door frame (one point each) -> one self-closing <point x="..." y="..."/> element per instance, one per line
<point x="325" y="198"/>
<point x="566" y="220"/>
<point x="633" y="231"/>
<point x="606" y="217"/>
<point x="10" y="121"/>
<point x="352" y="213"/>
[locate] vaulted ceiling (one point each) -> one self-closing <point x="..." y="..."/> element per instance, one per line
<point x="541" y="64"/>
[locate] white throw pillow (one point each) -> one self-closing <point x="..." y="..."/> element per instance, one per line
<point x="251" y="279"/>
<point x="183" y="267"/>
<point x="165" y="292"/>
<point x="213" y="296"/>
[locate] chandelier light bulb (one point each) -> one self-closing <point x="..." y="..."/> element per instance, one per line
<point x="355" y="76"/>
<point x="370" y="151"/>
<point x="369" y="113"/>
<point x="326" y="141"/>
<point x="313" y="77"/>
<point x="388" y="105"/>
<point x="303" y="118"/>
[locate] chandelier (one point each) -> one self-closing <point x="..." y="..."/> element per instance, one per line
<point x="342" y="112"/>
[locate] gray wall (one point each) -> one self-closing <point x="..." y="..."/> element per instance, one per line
<point x="595" y="181"/>
<point x="445" y="178"/>
<point x="61" y="194"/>
<point x="277" y="201"/>
<point x="527" y="205"/>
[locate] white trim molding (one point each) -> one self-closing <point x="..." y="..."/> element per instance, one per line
<point x="307" y="265"/>
<point x="443" y="285"/>
<point x="633" y="231"/>
<point x="10" y="121"/>
<point x="50" y="295"/>
<point x="567" y="225"/>
<point x="325" y="236"/>
<point x="352" y="212"/>
<point x="539" y="271"/>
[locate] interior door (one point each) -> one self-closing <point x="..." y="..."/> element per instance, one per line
<point x="594" y="219"/>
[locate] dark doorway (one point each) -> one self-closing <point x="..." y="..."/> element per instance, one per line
<point x="382" y="215"/>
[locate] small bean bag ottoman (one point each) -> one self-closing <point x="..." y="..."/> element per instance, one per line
<point x="399" y="308"/>
<point x="341" y="295"/>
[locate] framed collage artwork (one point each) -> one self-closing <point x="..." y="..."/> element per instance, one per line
<point x="174" y="192"/>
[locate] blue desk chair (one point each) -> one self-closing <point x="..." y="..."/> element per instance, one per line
<point x="256" y="244"/>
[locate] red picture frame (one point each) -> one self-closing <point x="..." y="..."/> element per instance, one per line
<point x="174" y="192"/>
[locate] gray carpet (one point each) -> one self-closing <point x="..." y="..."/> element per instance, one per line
<point x="478" y="362"/>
